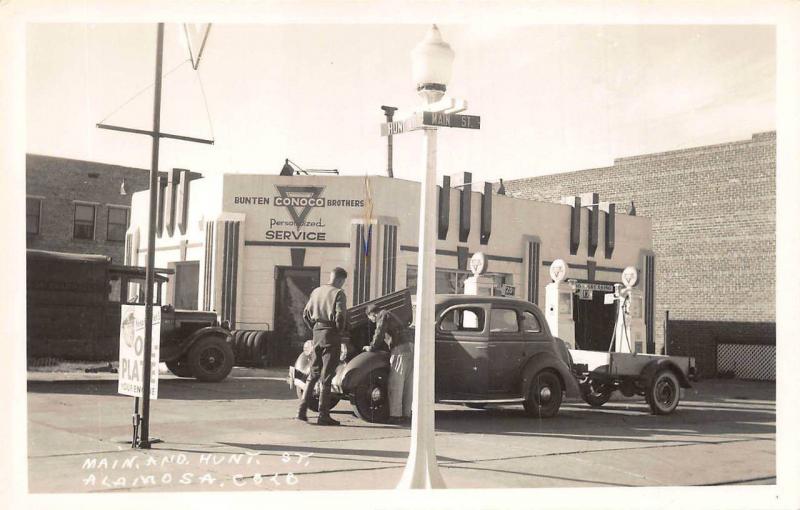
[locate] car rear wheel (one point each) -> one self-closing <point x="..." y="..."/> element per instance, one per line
<point x="663" y="393"/>
<point x="211" y="359"/>
<point x="371" y="398"/>
<point x="180" y="367"/>
<point x="313" y="404"/>
<point x="544" y="395"/>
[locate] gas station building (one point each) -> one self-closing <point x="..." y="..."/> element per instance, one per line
<point x="252" y="246"/>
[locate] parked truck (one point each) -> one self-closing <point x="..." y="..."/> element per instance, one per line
<point x="74" y="306"/>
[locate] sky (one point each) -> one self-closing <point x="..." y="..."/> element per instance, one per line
<point x="552" y="98"/>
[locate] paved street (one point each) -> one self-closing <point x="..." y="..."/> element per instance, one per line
<point x="240" y="435"/>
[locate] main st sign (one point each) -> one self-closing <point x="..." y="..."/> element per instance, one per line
<point x="421" y="120"/>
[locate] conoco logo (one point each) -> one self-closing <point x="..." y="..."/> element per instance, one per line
<point x="299" y="200"/>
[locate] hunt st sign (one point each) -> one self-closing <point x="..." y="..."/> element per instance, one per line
<point x="131" y="351"/>
<point x="421" y="120"/>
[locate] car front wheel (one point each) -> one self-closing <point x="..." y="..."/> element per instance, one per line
<point x="211" y="359"/>
<point x="544" y="395"/>
<point x="371" y="398"/>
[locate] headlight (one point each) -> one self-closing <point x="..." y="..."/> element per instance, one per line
<point x="308" y="346"/>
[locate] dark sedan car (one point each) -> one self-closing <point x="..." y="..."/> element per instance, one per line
<point x="489" y="350"/>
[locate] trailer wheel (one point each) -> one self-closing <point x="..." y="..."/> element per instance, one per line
<point x="663" y="393"/>
<point x="371" y="398"/>
<point x="211" y="359"/>
<point x="595" y="397"/>
<point x="313" y="404"/>
<point x="544" y="395"/>
<point x="180" y="367"/>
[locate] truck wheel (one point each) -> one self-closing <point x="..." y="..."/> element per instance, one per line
<point x="544" y="395"/>
<point x="595" y="397"/>
<point x="179" y="367"/>
<point x="663" y="393"/>
<point x="371" y="398"/>
<point x="211" y="359"/>
<point x="313" y="404"/>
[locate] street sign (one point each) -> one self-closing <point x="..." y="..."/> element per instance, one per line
<point x="420" y="120"/>
<point x="131" y="351"/>
<point x="400" y="126"/>
<point x="439" y="119"/>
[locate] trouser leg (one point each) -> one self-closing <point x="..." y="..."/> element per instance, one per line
<point x="396" y="381"/>
<point x="408" y="383"/>
<point x="311" y="380"/>
<point x="330" y="359"/>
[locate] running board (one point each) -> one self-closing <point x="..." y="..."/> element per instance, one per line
<point x="496" y="401"/>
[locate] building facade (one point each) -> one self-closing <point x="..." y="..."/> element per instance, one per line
<point x="713" y="220"/>
<point x="252" y="247"/>
<point x="76" y="206"/>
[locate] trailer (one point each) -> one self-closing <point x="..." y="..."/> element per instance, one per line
<point x="660" y="379"/>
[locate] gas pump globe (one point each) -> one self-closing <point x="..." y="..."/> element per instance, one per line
<point x="558" y="304"/>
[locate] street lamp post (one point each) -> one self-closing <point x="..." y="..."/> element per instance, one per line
<point x="432" y="64"/>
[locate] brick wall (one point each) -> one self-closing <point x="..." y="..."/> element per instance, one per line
<point x="62" y="181"/>
<point x="713" y="214"/>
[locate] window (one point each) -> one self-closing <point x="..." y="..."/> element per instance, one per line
<point x="83" y="225"/>
<point x="33" y="214"/>
<point x="462" y="319"/>
<point x="117" y="223"/>
<point x="530" y="324"/>
<point x="504" y="320"/>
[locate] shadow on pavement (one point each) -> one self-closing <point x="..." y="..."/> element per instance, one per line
<point x="318" y="450"/>
<point x="176" y="389"/>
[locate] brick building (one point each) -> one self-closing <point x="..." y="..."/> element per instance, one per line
<point x="77" y="206"/>
<point x="713" y="220"/>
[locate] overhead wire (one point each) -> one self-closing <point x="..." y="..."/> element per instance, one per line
<point x="145" y="89"/>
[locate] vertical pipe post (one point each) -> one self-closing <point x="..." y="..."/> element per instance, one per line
<point x="389" y="112"/>
<point x="151" y="241"/>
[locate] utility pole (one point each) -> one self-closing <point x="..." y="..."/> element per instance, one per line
<point x="389" y="112"/>
<point x="144" y="441"/>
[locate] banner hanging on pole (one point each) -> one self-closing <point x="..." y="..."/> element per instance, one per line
<point x="131" y="351"/>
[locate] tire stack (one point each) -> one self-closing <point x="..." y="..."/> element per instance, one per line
<point x="252" y="347"/>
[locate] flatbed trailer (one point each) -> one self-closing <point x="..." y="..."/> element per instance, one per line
<point x="660" y="379"/>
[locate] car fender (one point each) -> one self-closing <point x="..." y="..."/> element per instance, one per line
<point x="217" y="331"/>
<point x="547" y="360"/>
<point x="651" y="369"/>
<point x="359" y="367"/>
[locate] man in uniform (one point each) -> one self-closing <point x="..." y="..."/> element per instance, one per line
<point x="324" y="314"/>
<point x="401" y="360"/>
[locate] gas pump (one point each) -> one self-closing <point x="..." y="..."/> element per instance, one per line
<point x="629" y="328"/>
<point x="558" y="304"/>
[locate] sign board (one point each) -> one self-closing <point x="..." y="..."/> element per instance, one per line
<point x="609" y="299"/>
<point x="601" y="287"/>
<point x="585" y="294"/>
<point x="430" y="119"/>
<point x="131" y="351"/>
<point x="508" y="290"/>
<point x="451" y="120"/>
<point x="399" y="127"/>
